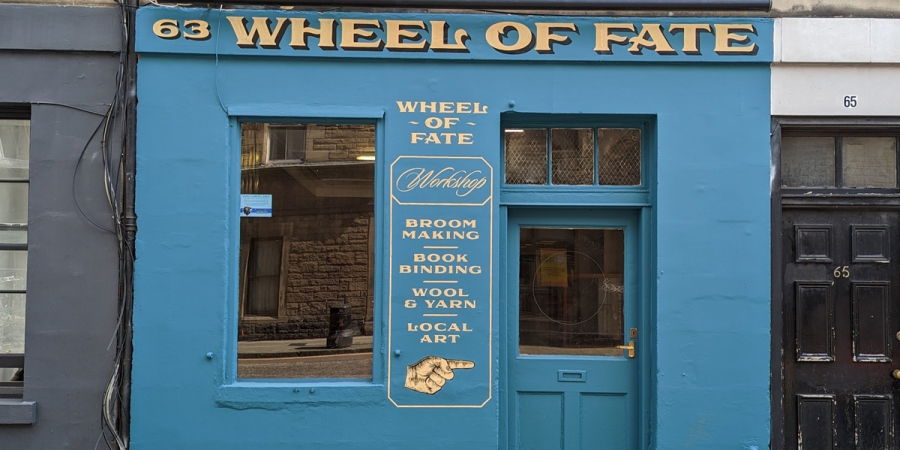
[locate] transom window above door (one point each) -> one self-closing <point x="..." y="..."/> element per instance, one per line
<point x="839" y="161"/>
<point x="572" y="156"/>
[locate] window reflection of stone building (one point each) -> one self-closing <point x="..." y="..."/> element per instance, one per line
<point x="316" y="250"/>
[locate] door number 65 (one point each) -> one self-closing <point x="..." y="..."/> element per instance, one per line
<point x="842" y="272"/>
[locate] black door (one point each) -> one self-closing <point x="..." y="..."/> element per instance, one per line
<point x="840" y="298"/>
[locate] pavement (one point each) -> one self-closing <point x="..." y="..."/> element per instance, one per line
<point x="300" y="347"/>
<point x="305" y="358"/>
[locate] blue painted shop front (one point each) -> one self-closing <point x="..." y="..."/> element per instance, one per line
<point x="478" y="217"/>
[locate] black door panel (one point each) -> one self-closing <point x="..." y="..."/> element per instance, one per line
<point x="840" y="322"/>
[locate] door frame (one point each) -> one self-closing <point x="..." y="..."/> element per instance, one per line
<point x="778" y="438"/>
<point x="645" y="306"/>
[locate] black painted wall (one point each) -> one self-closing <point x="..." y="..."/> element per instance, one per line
<point x="59" y="60"/>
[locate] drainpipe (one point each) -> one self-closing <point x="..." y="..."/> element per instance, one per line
<point x="129" y="222"/>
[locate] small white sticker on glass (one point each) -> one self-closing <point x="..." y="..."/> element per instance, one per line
<point x="256" y="205"/>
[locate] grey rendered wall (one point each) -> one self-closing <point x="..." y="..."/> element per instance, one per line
<point x="60" y="60"/>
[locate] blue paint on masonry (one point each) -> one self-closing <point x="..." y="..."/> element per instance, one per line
<point x="710" y="246"/>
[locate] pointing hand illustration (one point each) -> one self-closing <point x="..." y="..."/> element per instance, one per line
<point x="429" y="375"/>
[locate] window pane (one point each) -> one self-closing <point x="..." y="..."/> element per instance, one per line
<point x="306" y="272"/>
<point x="571" y="290"/>
<point x="14" y="234"/>
<point x="13" y="273"/>
<point x="619" y="156"/>
<point x="315" y="143"/>
<point x="526" y="156"/>
<point x="13" y="203"/>
<point x="807" y="162"/>
<point x="15" y="139"/>
<point x="869" y="162"/>
<point x="12" y="323"/>
<point x="573" y="156"/>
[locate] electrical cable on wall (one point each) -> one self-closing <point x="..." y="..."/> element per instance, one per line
<point x="114" y="412"/>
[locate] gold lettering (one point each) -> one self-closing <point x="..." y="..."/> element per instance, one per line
<point x="496" y="32"/>
<point x="691" y="35"/>
<point x="725" y="37"/>
<point x="399" y="31"/>
<point x="166" y="29"/>
<point x="199" y="30"/>
<point x="605" y="35"/>
<point x="354" y="29"/>
<point x="260" y="30"/>
<point x="439" y="38"/>
<point x="407" y="107"/>
<point x="546" y="36"/>
<point x="652" y="37"/>
<point x="300" y="32"/>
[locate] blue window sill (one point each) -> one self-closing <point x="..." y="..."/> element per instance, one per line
<point x="274" y="395"/>
<point x="17" y="412"/>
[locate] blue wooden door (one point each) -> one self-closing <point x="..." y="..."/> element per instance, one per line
<point x="572" y="313"/>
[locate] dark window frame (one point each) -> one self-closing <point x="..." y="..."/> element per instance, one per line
<point x="13" y="389"/>
<point x="838" y="133"/>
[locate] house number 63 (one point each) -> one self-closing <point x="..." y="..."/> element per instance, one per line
<point x="842" y="272"/>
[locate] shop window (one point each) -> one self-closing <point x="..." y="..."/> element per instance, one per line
<point x="832" y="160"/>
<point x="307" y="250"/>
<point x="573" y="156"/>
<point x="14" y="153"/>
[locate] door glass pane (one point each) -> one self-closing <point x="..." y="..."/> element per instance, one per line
<point x="619" y="156"/>
<point x="869" y="162"/>
<point x="573" y="156"/>
<point x="571" y="291"/>
<point x="807" y="162"/>
<point x="526" y="156"/>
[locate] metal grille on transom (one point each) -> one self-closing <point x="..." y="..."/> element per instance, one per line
<point x="573" y="156"/>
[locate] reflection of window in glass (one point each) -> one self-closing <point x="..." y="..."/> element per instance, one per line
<point x="577" y="156"/>
<point x="287" y="142"/>
<point x="571" y="288"/>
<point x="306" y="273"/>
<point x="14" y="152"/>
<point x="263" y="278"/>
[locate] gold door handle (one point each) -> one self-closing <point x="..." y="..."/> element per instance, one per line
<point x="896" y="374"/>
<point x="630" y="348"/>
